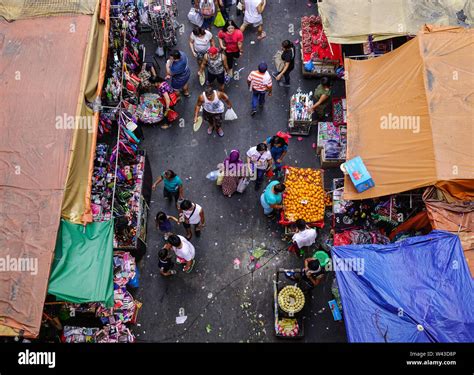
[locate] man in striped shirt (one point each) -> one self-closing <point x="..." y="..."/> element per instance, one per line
<point x="260" y="82"/>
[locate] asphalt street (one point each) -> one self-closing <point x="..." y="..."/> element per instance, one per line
<point x="223" y="304"/>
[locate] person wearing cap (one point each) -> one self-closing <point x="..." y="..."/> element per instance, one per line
<point x="217" y="68"/>
<point x="212" y="102"/>
<point x="259" y="83"/>
<point x="278" y="148"/>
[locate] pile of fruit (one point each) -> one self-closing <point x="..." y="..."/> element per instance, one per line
<point x="304" y="196"/>
<point x="291" y="299"/>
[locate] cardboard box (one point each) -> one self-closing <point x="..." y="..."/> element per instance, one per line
<point x="359" y="174"/>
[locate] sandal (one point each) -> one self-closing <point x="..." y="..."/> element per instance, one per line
<point x="220" y="132"/>
<point x="209" y="130"/>
<point x="262" y="35"/>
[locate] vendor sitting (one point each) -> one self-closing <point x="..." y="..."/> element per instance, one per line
<point x="313" y="272"/>
<point x="168" y="97"/>
<point x="304" y="236"/>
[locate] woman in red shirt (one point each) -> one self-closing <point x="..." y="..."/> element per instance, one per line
<point x="231" y="41"/>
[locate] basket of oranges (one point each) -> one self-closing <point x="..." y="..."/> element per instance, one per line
<point x="304" y="197"/>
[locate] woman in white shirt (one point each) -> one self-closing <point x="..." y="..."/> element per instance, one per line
<point x="253" y="10"/>
<point x="200" y="41"/>
<point x="259" y="160"/>
<point x="191" y="214"/>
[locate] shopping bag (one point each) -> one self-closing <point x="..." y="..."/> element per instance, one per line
<point x="171" y="115"/>
<point x="279" y="63"/>
<point x="219" y="21"/>
<point x="220" y="178"/>
<point x="214" y="175"/>
<point x="230" y="115"/>
<point x="195" y="17"/>
<point x="243" y="183"/>
<point x="270" y="173"/>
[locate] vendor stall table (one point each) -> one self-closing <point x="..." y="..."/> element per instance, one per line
<point x="304" y="197"/>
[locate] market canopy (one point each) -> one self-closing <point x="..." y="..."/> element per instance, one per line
<point x="46" y="66"/>
<point x="82" y="270"/>
<point x="411" y="115"/>
<point x="353" y="23"/>
<point x="416" y="290"/>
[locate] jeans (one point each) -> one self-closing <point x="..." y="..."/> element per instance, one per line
<point x="226" y="9"/>
<point x="260" y="176"/>
<point x="208" y="22"/>
<point x="258" y="97"/>
<point x="286" y="76"/>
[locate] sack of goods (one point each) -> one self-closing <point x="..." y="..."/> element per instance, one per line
<point x="230" y="115"/>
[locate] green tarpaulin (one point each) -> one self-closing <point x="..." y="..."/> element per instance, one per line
<point x="82" y="269"/>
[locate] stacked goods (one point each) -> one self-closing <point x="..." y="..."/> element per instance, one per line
<point x="291" y="299"/>
<point x="288" y="327"/>
<point x="304" y="196"/>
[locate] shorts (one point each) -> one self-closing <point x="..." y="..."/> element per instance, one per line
<point x="214" y="119"/>
<point x="212" y="77"/>
<point x="256" y="24"/>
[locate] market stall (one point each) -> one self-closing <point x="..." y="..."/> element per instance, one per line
<point x="331" y="144"/>
<point x="304" y="197"/>
<point x="318" y="56"/>
<point x="301" y="119"/>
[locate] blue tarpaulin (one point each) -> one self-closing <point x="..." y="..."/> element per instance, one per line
<point x="416" y="290"/>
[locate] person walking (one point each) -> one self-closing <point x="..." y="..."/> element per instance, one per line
<point x="278" y="145"/>
<point x="184" y="250"/>
<point x="233" y="172"/>
<point x="322" y="99"/>
<point x="200" y="41"/>
<point x="253" y="10"/>
<point x="259" y="161"/>
<point x="216" y="64"/>
<point x="177" y="69"/>
<point x="288" y="57"/>
<point x="272" y="198"/>
<point x="208" y="10"/>
<point x="231" y="41"/>
<point x="173" y="186"/>
<point x="259" y="83"/>
<point x="212" y="102"/>
<point x="225" y="6"/>
<point x="191" y="214"/>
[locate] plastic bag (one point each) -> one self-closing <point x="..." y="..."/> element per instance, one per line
<point x="220" y="178"/>
<point x="243" y="183"/>
<point x="230" y="115"/>
<point x="202" y="79"/>
<point x="219" y="21"/>
<point x="171" y="115"/>
<point x="213" y="176"/>
<point x="195" y="17"/>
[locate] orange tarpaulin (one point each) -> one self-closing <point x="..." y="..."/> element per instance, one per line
<point x="411" y="113"/>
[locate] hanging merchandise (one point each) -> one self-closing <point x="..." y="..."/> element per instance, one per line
<point x="300" y="120"/>
<point x="124" y="268"/>
<point x="162" y="16"/>
<point x="79" y="335"/>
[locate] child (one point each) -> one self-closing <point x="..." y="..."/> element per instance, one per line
<point x="163" y="223"/>
<point x="165" y="263"/>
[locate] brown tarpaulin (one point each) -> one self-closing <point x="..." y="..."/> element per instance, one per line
<point x="447" y="213"/>
<point x="352" y="21"/>
<point x="427" y="87"/>
<point x="41" y="62"/>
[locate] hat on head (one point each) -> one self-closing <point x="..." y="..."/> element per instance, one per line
<point x="283" y="135"/>
<point x="212" y="50"/>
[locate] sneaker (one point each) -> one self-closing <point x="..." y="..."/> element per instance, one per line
<point x="253" y="113"/>
<point x="172" y="272"/>
<point x="220" y="132"/>
<point x="209" y="130"/>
